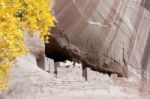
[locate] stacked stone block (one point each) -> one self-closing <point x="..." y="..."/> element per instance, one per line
<point x="69" y="71"/>
<point x="49" y="66"/>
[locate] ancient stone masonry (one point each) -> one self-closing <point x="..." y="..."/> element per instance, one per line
<point x="102" y="34"/>
<point x="64" y="70"/>
<point x="49" y="65"/>
<point x="110" y="39"/>
<point x="69" y="71"/>
<point x="94" y="75"/>
<point x="109" y="36"/>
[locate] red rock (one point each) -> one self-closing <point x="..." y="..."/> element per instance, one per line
<point x="104" y="35"/>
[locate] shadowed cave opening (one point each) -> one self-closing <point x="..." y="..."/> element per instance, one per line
<point x="57" y="50"/>
<point x="54" y="51"/>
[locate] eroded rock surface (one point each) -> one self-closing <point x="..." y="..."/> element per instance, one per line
<point x="147" y="4"/>
<point x="31" y="82"/>
<point x="111" y="36"/>
<point x="105" y="35"/>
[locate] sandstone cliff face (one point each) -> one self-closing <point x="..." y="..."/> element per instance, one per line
<point x="36" y="48"/>
<point x="30" y="82"/>
<point x="106" y="35"/>
<point x="147" y="4"/>
<point x="111" y="36"/>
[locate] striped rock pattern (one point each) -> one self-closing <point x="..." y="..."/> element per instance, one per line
<point x="106" y="35"/>
<point x="147" y="4"/>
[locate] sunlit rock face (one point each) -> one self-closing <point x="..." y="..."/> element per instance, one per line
<point x="111" y="36"/>
<point x="36" y="48"/>
<point x="106" y="35"/>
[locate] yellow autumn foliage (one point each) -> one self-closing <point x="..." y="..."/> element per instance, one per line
<point x="17" y="16"/>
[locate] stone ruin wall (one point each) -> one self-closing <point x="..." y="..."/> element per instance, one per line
<point x="74" y="72"/>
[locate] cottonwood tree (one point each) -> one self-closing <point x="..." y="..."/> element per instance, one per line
<point x="17" y="16"/>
